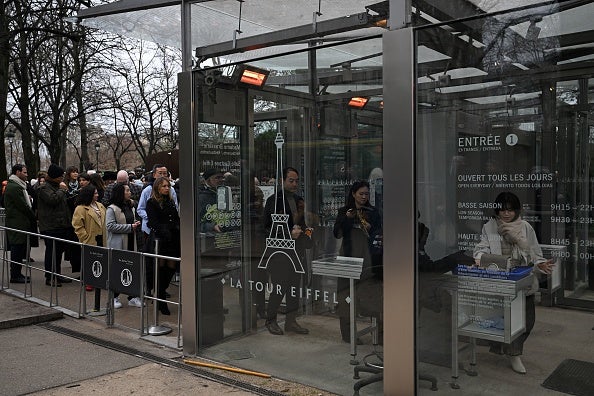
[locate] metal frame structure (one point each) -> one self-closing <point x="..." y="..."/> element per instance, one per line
<point x="399" y="74"/>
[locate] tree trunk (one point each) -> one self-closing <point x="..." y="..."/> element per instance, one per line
<point x="4" y="55"/>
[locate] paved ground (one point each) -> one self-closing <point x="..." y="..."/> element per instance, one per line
<point x="38" y="358"/>
<point x="46" y="352"/>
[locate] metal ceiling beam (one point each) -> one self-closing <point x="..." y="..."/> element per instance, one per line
<point x="461" y="53"/>
<point x="450" y="11"/>
<point x="290" y="35"/>
<point x="579" y="38"/>
<point x="122" y="6"/>
<point x="520" y="77"/>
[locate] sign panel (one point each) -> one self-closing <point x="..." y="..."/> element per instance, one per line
<point x="95" y="264"/>
<point x="125" y="272"/>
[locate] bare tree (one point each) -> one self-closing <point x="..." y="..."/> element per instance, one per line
<point x="143" y="93"/>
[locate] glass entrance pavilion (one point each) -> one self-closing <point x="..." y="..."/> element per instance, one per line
<point x="430" y="120"/>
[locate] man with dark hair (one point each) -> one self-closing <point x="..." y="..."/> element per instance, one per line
<point x="283" y="276"/>
<point x="55" y="220"/>
<point x="20" y="216"/>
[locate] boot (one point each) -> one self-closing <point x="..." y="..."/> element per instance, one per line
<point x="292" y="325"/>
<point x="273" y="327"/>
<point x="165" y="275"/>
<point x="517" y="365"/>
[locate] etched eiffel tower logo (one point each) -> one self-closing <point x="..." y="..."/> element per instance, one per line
<point x="279" y="241"/>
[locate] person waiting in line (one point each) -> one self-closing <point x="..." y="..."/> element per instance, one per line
<point x="109" y="178"/>
<point x="506" y="234"/>
<point x="281" y="270"/>
<point x="163" y="221"/>
<point x="20" y="216"/>
<point x="121" y="225"/>
<point x="359" y="224"/>
<point x="97" y="181"/>
<point x="72" y="252"/>
<point x="207" y="199"/>
<point x="211" y="219"/>
<point x="55" y="220"/>
<point x="36" y="184"/>
<point x="84" y="179"/>
<point x="71" y="180"/>
<point x="159" y="170"/>
<point x="121" y="178"/>
<point x="88" y="219"/>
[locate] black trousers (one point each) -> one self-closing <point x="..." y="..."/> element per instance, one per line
<point x="51" y="252"/>
<point x="285" y="283"/>
<point x="18" y="253"/>
<point x="74" y="252"/>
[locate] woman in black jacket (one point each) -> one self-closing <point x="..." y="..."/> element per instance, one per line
<point x="359" y="225"/>
<point x="163" y="221"/>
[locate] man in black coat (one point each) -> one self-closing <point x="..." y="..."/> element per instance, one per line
<point x="283" y="275"/>
<point x="55" y="220"/>
<point x="20" y="216"/>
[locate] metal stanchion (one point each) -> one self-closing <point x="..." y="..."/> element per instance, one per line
<point x="53" y="277"/>
<point x="28" y="278"/>
<point x="97" y="311"/>
<point x="157" y="329"/>
<point x="110" y="318"/>
<point x="4" y="247"/>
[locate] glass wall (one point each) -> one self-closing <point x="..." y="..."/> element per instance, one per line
<point x="504" y="196"/>
<point x="289" y="212"/>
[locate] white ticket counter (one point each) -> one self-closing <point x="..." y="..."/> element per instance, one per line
<point x="488" y="309"/>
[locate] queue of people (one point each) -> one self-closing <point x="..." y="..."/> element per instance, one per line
<point x="89" y="209"/>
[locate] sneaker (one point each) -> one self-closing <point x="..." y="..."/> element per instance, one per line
<point x="135" y="302"/>
<point x="116" y="303"/>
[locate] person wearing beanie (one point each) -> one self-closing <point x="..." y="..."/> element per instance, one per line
<point x="55" y="220"/>
<point x="207" y="197"/>
<point x="55" y="171"/>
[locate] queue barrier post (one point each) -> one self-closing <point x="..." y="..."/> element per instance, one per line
<point x="3" y="247"/>
<point x="157" y="329"/>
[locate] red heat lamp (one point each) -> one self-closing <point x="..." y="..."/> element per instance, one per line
<point x="358" y="102"/>
<point x="251" y="75"/>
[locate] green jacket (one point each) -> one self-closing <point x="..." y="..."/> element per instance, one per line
<point x="19" y="215"/>
<point x="52" y="210"/>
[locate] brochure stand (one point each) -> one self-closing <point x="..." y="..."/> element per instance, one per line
<point x="349" y="268"/>
<point x="488" y="309"/>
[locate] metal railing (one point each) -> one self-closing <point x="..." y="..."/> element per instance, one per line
<point x="88" y="272"/>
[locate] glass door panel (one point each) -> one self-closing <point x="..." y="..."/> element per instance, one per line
<point x="220" y="233"/>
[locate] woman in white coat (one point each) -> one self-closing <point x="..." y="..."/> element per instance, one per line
<point x="121" y="225"/>
<point x="506" y="234"/>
